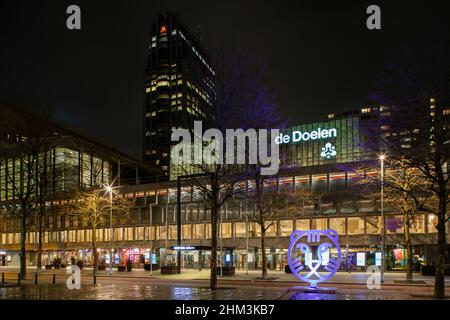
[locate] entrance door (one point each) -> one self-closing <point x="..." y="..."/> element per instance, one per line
<point x="3" y="260"/>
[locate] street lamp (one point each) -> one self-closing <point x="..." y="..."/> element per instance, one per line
<point x="383" y="222"/>
<point x="111" y="237"/>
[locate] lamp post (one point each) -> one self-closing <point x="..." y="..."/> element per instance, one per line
<point x="111" y="237"/>
<point x="383" y="222"/>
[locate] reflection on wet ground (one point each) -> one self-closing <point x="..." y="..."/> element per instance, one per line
<point x="136" y="292"/>
<point x="180" y="292"/>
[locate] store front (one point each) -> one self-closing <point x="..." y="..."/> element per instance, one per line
<point x="276" y="259"/>
<point x="3" y="258"/>
<point x="199" y="257"/>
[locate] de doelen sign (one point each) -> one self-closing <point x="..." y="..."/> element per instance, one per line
<point x="297" y="136"/>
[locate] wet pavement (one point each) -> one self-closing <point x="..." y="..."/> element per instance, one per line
<point x="59" y="291"/>
<point x="136" y="292"/>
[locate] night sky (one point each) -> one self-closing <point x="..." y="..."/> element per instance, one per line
<point x="321" y="56"/>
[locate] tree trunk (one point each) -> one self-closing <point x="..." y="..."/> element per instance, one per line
<point x="23" y="235"/>
<point x="439" y="284"/>
<point x="263" y="252"/>
<point x="408" y="245"/>
<point x="39" y="251"/>
<point x="94" y="252"/>
<point x="213" y="262"/>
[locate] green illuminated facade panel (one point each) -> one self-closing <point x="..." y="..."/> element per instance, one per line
<point x="323" y="143"/>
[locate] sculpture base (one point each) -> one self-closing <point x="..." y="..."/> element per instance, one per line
<point x="306" y="289"/>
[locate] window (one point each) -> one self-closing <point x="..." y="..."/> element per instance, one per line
<point x="99" y="235"/>
<point x="118" y="234"/>
<point x="139" y="233"/>
<point x="186" y="231"/>
<point x="128" y="234"/>
<point x="226" y="230"/>
<point x="199" y="231"/>
<point x="302" y="224"/>
<point x="319" y="182"/>
<point x="418" y="224"/>
<point x="207" y="231"/>
<point x="394" y="224"/>
<point x="373" y="225"/>
<point x="81" y="235"/>
<point x="319" y="224"/>
<point x="253" y="229"/>
<point x="338" y="224"/>
<point x="71" y="236"/>
<point x="286" y="227"/>
<point x="161" y="232"/>
<point x="302" y="183"/>
<point x="355" y="225"/>
<point x="285" y="184"/>
<point x="272" y="230"/>
<point x="432" y="221"/>
<point x="172" y="232"/>
<point x="150" y="233"/>
<point x="239" y="229"/>
<point x="337" y="181"/>
<point x="88" y="237"/>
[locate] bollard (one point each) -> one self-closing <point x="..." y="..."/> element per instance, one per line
<point x="18" y="278"/>
<point x="54" y="278"/>
<point x="36" y="278"/>
<point x="3" y="278"/>
<point x="95" y="280"/>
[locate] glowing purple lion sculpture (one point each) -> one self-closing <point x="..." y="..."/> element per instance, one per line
<point x="309" y="256"/>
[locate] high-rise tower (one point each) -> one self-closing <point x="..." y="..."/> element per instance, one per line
<point x="180" y="87"/>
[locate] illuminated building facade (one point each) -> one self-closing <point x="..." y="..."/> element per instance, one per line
<point x="151" y="226"/>
<point x="65" y="162"/>
<point x="180" y="87"/>
<point x="335" y="141"/>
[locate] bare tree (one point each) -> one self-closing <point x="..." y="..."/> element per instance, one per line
<point x="19" y="157"/>
<point x="270" y="203"/>
<point x="94" y="205"/>
<point x="416" y="83"/>
<point x="406" y="188"/>
<point x="242" y="101"/>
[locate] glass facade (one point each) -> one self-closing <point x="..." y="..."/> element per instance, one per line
<point x="62" y="169"/>
<point x="323" y="143"/>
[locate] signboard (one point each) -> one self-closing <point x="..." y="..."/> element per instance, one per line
<point x="197" y="248"/>
<point x="182" y="248"/>
<point x="298" y="136"/>
<point x="378" y="259"/>
<point x="361" y="259"/>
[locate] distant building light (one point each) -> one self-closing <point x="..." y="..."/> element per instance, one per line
<point x="163" y="29"/>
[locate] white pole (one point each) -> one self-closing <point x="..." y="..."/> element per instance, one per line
<point x="383" y="222"/>
<point x="151" y="240"/>
<point x="111" y="236"/>
<point x="221" y="244"/>
<point x="246" y="243"/>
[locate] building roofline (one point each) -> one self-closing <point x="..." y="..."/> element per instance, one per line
<point x="65" y="135"/>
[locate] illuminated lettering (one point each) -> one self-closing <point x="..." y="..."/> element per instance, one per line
<point x="298" y="136"/>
